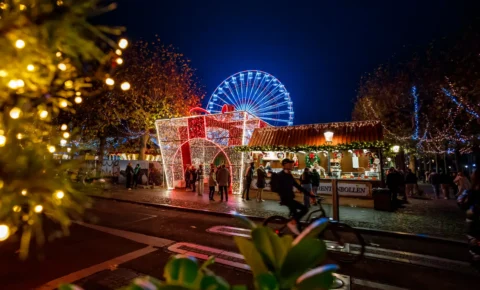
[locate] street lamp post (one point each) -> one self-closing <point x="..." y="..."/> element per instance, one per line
<point x="335" y="202"/>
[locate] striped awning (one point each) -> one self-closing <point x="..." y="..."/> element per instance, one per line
<point x="313" y="135"/>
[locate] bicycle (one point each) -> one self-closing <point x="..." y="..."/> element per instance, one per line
<point x="341" y="239"/>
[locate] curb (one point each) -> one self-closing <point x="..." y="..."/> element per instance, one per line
<point x="422" y="237"/>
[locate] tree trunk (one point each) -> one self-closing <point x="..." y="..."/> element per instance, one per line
<point x="143" y="145"/>
<point x="413" y="163"/>
<point x="457" y="160"/>
<point x="101" y="153"/>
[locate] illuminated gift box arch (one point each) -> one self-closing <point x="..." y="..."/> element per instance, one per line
<point x="200" y="139"/>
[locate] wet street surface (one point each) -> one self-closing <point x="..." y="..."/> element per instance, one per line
<point x="119" y="241"/>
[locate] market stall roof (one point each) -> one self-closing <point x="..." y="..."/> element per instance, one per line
<point x="313" y="134"/>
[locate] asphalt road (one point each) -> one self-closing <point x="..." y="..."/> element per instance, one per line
<point x="87" y="248"/>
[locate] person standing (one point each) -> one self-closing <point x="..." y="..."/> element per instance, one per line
<point x="211" y="184"/>
<point x="462" y="183"/>
<point x="248" y="181"/>
<point x="261" y="182"/>
<point x="434" y="179"/>
<point x="223" y="180"/>
<point x="315" y="181"/>
<point x="193" y="178"/>
<point x="393" y="183"/>
<point x="410" y="184"/>
<point x="444" y="183"/>
<point x="187" y="177"/>
<point x="306" y="182"/>
<point x="136" y="172"/>
<point x="200" y="179"/>
<point x="129" y="175"/>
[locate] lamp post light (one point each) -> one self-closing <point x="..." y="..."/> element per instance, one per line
<point x="396" y="149"/>
<point x="328" y="136"/>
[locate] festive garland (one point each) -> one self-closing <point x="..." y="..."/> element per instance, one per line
<point x="311" y="159"/>
<point x="310" y="148"/>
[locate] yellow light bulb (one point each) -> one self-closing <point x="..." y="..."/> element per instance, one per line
<point x="38" y="208"/>
<point x="125" y="86"/>
<point x="123" y="43"/>
<point x="3" y="73"/>
<point x="51" y="149"/>
<point x="3" y="140"/>
<point x="43" y="114"/>
<point x="15" y="113"/>
<point x="59" y="194"/>
<point x="22" y="7"/>
<point x="20" y="83"/>
<point x="62" y="66"/>
<point x="78" y="100"/>
<point x="30" y="67"/>
<point x="78" y="93"/>
<point x="69" y="149"/>
<point x="16" y="208"/>
<point x="63" y="142"/>
<point x="19" y="136"/>
<point x="69" y="84"/>
<point x="24" y="192"/>
<point x="4" y="232"/>
<point x="58" y="54"/>
<point x="19" y="44"/>
<point x="12" y="84"/>
<point x="66" y="135"/>
<point x="119" y="60"/>
<point x="63" y="104"/>
<point x="110" y="81"/>
<point x="64" y="127"/>
<point x="118" y="52"/>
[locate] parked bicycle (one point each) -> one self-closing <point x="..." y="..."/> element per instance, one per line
<point x="345" y="243"/>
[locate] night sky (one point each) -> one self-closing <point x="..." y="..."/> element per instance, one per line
<point x="317" y="49"/>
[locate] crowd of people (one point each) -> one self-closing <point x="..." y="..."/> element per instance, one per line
<point x="218" y="177"/>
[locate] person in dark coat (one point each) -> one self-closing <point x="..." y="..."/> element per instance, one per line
<point x="129" y="176"/>
<point x="248" y="181"/>
<point x="187" y="177"/>
<point x="434" y="179"/>
<point x="393" y="183"/>
<point x="410" y="183"/>
<point x="193" y="178"/>
<point x="223" y="180"/>
<point x="445" y="184"/>
<point x="315" y="181"/>
<point x="261" y="182"/>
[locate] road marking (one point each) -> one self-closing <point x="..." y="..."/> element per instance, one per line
<point x="372" y="252"/>
<point x="75" y="276"/>
<point x="149" y="216"/>
<point x="139" y="238"/>
<point x="374" y="285"/>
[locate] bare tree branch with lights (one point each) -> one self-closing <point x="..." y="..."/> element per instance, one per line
<point x="163" y="85"/>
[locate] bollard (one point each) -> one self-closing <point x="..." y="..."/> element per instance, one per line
<point x="335" y="202"/>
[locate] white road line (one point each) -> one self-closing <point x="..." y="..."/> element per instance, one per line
<point x="75" y="276"/>
<point x="374" y="285"/>
<point x="139" y="238"/>
<point x="139" y="220"/>
<point x="383" y="254"/>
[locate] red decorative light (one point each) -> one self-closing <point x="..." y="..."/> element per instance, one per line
<point x="227" y="108"/>
<point x="198" y="111"/>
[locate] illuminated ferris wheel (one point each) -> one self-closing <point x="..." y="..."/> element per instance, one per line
<point x="256" y="92"/>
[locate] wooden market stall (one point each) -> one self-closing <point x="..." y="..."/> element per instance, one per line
<point x="350" y="152"/>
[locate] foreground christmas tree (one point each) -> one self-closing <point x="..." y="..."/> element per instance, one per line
<point x="50" y="58"/>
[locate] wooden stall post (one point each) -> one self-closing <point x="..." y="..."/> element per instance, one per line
<point x="335" y="201"/>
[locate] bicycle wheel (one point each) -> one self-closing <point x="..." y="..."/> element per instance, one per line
<point x="345" y="244"/>
<point x="278" y="224"/>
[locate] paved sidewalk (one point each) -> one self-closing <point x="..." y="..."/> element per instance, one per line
<point x="438" y="218"/>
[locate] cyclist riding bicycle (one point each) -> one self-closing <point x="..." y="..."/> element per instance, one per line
<point x="285" y="185"/>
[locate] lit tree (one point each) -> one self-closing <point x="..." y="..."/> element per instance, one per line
<point x="163" y="85"/>
<point x="47" y="49"/>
